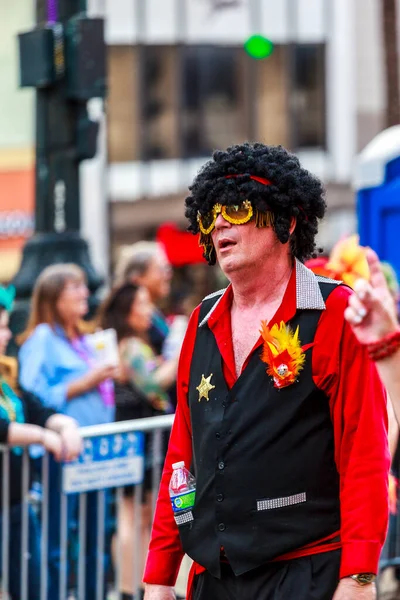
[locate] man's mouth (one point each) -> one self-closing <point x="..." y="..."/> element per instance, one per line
<point x="223" y="244"/>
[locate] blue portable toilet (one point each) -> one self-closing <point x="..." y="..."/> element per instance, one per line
<point x="377" y="183"/>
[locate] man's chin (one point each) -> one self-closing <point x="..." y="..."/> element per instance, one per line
<point x="230" y="264"/>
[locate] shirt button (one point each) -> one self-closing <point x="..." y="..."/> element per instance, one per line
<point x="221" y="465"/>
<point x="218" y="435"/>
<point x="221" y="527"/>
<point x="220" y="497"/>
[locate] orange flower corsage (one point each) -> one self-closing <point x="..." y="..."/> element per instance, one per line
<point x="283" y="353"/>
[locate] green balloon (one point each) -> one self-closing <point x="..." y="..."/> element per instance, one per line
<point x="258" y="46"/>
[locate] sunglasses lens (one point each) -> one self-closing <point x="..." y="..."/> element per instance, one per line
<point x="238" y="212"/>
<point x="207" y="220"/>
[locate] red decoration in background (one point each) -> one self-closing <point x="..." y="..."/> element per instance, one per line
<point x="181" y="247"/>
<point x="318" y="266"/>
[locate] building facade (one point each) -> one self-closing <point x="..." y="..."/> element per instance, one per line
<point x="16" y="142"/>
<point x="182" y="84"/>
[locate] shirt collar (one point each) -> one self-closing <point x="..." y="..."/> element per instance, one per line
<point x="308" y="293"/>
<point x="302" y="293"/>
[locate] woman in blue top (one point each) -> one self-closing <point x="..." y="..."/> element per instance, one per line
<point x="57" y="365"/>
<point x="24" y="421"/>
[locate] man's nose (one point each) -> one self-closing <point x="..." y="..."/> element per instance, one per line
<point x="221" y="223"/>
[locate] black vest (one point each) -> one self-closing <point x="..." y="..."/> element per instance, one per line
<point x="263" y="458"/>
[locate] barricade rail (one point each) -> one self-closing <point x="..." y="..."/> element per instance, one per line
<point x="154" y="427"/>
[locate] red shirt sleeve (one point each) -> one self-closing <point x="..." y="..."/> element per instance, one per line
<point x="342" y="368"/>
<point x="165" y="550"/>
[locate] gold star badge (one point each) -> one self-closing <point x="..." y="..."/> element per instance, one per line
<point x="205" y="387"/>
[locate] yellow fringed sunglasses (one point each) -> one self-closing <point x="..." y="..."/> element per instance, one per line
<point x="237" y="214"/>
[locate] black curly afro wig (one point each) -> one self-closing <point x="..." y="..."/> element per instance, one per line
<point x="293" y="192"/>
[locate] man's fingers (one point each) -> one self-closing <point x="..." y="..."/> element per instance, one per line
<point x="358" y="306"/>
<point x="371" y="298"/>
<point x="363" y="300"/>
<point x="364" y="292"/>
<point x="352" y="316"/>
<point x="377" y="278"/>
<point x="372" y="258"/>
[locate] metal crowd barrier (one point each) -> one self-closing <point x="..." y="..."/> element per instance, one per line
<point x="154" y="426"/>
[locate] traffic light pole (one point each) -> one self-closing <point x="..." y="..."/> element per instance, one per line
<point x="64" y="59"/>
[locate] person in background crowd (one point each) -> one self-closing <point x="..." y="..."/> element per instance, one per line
<point x="390" y="579"/>
<point x="372" y="314"/>
<point x="348" y="263"/>
<point x="393" y="286"/>
<point x="141" y="392"/>
<point x="146" y="264"/>
<point x="57" y="365"/>
<point x="24" y="420"/>
<point x="285" y="432"/>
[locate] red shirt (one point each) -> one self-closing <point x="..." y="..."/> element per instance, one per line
<point x="342" y="369"/>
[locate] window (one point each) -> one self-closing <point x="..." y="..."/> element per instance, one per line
<point x="212" y="107"/>
<point x="159" y="102"/>
<point x="308" y="96"/>
<point x="183" y="101"/>
<point x="122" y="113"/>
<point x="271" y="98"/>
<point x="191" y="101"/>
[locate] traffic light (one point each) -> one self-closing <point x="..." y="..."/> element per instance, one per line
<point x="66" y="62"/>
<point x="75" y="50"/>
<point x="85" y="58"/>
<point x="258" y="46"/>
<point x="41" y="58"/>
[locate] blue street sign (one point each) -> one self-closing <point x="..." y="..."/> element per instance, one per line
<point x="106" y="461"/>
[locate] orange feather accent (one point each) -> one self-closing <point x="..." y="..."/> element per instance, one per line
<point x="282" y="352"/>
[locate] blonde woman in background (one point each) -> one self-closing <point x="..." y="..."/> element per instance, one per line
<point x="57" y="365"/>
<point x="24" y="421"/>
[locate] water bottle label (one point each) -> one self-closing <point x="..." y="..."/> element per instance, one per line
<point x="183" y="501"/>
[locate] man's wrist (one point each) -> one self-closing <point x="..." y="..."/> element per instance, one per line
<point x="154" y="591"/>
<point x="384" y="347"/>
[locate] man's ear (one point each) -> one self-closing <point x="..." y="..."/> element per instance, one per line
<point x="293" y="224"/>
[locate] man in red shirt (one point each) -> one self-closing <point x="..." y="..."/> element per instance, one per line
<point x="281" y="415"/>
